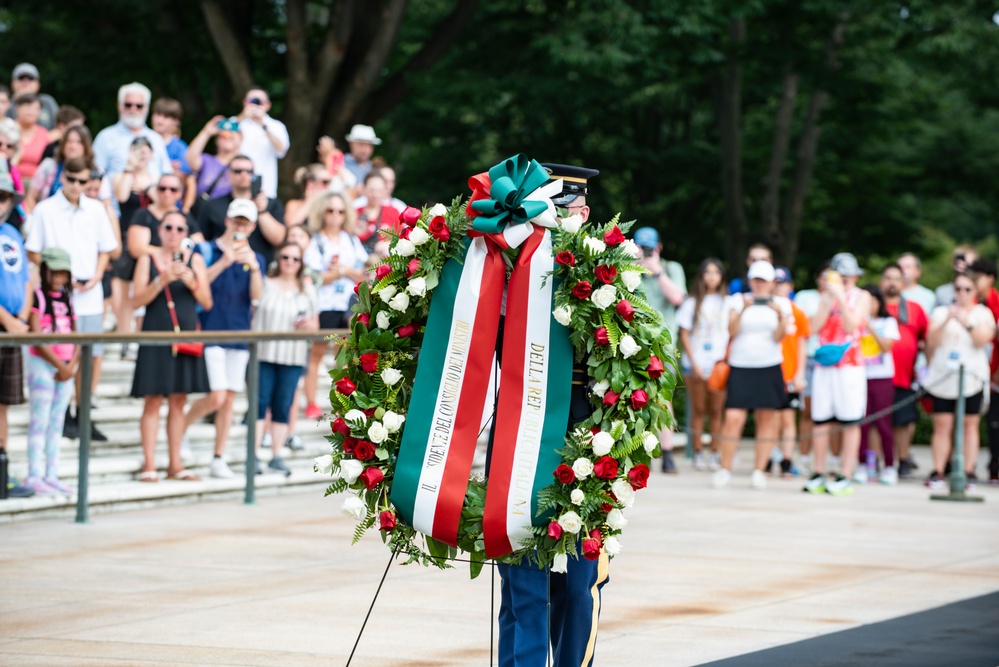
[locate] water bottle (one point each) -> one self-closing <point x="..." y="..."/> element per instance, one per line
<point x="3" y="473"/>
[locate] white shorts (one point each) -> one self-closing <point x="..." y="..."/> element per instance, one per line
<point x="226" y="368"/>
<point x="839" y="394"/>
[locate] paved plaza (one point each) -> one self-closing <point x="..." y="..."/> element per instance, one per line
<point x="705" y="575"/>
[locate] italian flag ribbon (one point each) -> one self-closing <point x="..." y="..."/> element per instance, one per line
<point x="451" y="388"/>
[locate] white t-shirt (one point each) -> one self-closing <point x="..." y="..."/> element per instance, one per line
<point x="319" y="255"/>
<point x="709" y="338"/>
<point x="881" y="366"/>
<point x="754" y="346"/>
<point x="808" y="300"/>
<point x="258" y="147"/>
<point x="956" y="348"/>
<point x="84" y="232"/>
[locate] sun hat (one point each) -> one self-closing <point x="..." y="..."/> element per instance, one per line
<point x="365" y="134"/>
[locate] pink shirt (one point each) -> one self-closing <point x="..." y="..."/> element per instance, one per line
<point x="833" y="332"/>
<point x="63" y="321"/>
<point x="31" y="153"/>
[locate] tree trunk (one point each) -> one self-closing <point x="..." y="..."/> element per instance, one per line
<point x="729" y="110"/>
<point x="770" y="206"/>
<point x="228" y="45"/>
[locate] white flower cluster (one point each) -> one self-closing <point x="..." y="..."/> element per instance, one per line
<point x="603" y="297"/>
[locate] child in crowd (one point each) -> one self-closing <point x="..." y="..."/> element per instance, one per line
<point x="50" y="371"/>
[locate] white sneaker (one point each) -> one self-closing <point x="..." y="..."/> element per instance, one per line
<point x="713" y="462"/>
<point x="699" y="462"/>
<point x="758" y="480"/>
<point x="219" y="468"/>
<point x="860" y="475"/>
<point x="721" y="478"/>
<point x="185" y="450"/>
<point x="889" y="476"/>
<point x="267" y="440"/>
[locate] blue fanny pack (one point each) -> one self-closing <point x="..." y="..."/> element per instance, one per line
<point x="831" y="353"/>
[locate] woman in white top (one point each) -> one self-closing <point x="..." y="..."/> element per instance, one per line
<point x="339" y="256"/>
<point x="288" y="303"/>
<point x="757" y="324"/>
<point x="704" y="336"/>
<point x="876" y="344"/>
<point x="957" y="336"/>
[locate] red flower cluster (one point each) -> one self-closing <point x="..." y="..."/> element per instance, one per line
<point x="655" y="367"/>
<point x="600" y="336"/>
<point x="565" y="474"/>
<point x="605" y="467"/>
<point x="638" y="476"/>
<point x="382" y="270"/>
<point x="438" y="229"/>
<point x="386" y="520"/>
<point x="364" y="318"/>
<point x="639" y="399"/>
<point x="412" y="267"/>
<point x="613" y="236"/>
<point x="406" y="330"/>
<point x="410" y="215"/>
<point x="364" y="450"/>
<point x="591" y="547"/>
<point x="345" y="386"/>
<point x="581" y="290"/>
<point x="554" y="530"/>
<point x="625" y="310"/>
<point x="340" y="426"/>
<point x="610" y="398"/>
<point x="371" y="477"/>
<point x="605" y="273"/>
<point x="565" y="258"/>
<point x="369" y="362"/>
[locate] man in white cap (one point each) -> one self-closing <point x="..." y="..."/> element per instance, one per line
<point x="24" y="79"/>
<point x="362" y="141"/>
<point x="265" y="139"/>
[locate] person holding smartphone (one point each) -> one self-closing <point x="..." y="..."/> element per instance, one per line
<point x="265" y="139"/>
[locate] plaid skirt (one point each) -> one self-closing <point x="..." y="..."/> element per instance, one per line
<point x="11" y="376"/>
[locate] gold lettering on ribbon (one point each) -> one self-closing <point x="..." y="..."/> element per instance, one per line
<point x="454" y="365"/>
<point x="532" y="420"/>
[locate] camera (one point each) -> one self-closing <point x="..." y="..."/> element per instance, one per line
<point x="177" y="256"/>
<point x="762" y="300"/>
<point x="648" y="252"/>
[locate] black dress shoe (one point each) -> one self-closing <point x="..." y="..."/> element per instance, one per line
<point x="96" y="435"/>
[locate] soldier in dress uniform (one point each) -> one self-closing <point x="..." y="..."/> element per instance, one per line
<point x="526" y="624"/>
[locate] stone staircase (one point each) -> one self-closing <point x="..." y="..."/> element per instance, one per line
<point x="114" y="464"/>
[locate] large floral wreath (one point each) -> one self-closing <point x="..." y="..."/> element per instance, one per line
<point x="616" y="335"/>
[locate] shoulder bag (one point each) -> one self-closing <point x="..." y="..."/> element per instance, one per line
<point x="190" y="349"/>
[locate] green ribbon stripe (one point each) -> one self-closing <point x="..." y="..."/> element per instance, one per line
<point x="512" y="180"/>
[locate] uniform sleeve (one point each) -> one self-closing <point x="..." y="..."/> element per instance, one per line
<point x="685" y="314"/>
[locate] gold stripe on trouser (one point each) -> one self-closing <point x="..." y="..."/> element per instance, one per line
<point x="603" y="568"/>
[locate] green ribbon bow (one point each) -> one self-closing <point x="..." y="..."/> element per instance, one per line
<point x="512" y="180"/>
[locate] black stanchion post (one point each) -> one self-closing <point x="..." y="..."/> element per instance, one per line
<point x="958" y="478"/>
<point x="252" y="393"/>
<point x="83" y="414"/>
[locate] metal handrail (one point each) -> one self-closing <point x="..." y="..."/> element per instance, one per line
<point x="86" y="343"/>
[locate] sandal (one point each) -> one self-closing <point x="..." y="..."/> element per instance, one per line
<point x="149" y="476"/>
<point x="183" y="476"/>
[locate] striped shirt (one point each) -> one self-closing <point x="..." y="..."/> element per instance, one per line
<point x="278" y="311"/>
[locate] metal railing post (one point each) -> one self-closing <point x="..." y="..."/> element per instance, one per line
<point x="252" y="394"/>
<point x="83" y="415"/>
<point x="958" y="478"/>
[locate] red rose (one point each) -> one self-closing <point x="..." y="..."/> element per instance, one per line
<point x="349" y="444"/>
<point x="581" y="290"/>
<point x="410" y="215"/>
<point x="365" y="451"/>
<point x="613" y="236"/>
<point x="369" y="362"/>
<point x="606" y="507"/>
<point x="565" y="258"/>
<point x="386" y="520"/>
<point x="404" y="234"/>
<point x="565" y="474"/>
<point x="610" y="398"/>
<point x="591" y="549"/>
<point x="638" y="476"/>
<point x="438" y="229"/>
<point x="364" y="318"/>
<point x="639" y="399"/>
<point x="605" y="273"/>
<point x="340" y="426"/>
<point x="369" y="413"/>
<point x="554" y="530"/>
<point x="371" y="477"/>
<point x="595" y="534"/>
<point x="345" y="386"/>
<point x="594" y="430"/>
<point x="655" y="367"/>
<point x="406" y="330"/>
<point x="625" y="310"/>
<point x="382" y="270"/>
<point x="412" y="267"/>
<point x="600" y="336"/>
<point x="605" y="467"/>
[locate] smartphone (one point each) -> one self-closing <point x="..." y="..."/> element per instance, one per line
<point x="178" y="256"/>
<point x="255" y="184"/>
<point x="761" y="300"/>
<point x="238" y="237"/>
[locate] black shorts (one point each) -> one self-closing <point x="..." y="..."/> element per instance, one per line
<point x="11" y="376"/>
<point x="334" y="319"/>
<point x="972" y="404"/>
<point x="756" y="389"/>
<point x="908" y="413"/>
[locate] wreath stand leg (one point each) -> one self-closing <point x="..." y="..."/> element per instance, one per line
<point x="373" y="600"/>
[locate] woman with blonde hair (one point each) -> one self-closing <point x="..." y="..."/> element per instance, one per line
<point x="314" y="181"/>
<point x="338" y="255"/>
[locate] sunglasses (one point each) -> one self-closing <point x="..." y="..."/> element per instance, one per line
<point x="290" y="258"/>
<point x="255" y="100"/>
<point x="134" y="105"/>
<point x="26" y="77"/>
<point x="78" y="181"/>
<point x="175" y="228"/>
<point x="6" y="146"/>
<point x="167" y="188"/>
<point x="336" y="210"/>
<point x="241" y="171"/>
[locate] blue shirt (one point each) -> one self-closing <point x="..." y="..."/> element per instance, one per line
<point x="177" y="152"/>
<point x="232" y="307"/>
<point x="15" y="269"/>
<point x="112" y="144"/>
<point x="356" y="168"/>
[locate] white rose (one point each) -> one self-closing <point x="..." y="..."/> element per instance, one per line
<point x="631" y="279"/>
<point x="355" y="415"/>
<point x="350" y="470"/>
<point x="625" y="494"/>
<point x="573" y="223"/>
<point x="392" y="421"/>
<point x="650" y="441"/>
<point x="324" y="464"/>
<point x="377" y="433"/>
<point x="601" y="388"/>
<point x="417" y="287"/>
<point x="399" y="302"/>
<point x="417" y="236"/>
<point x="390" y="376"/>
<point x="577" y="496"/>
<point x="612" y="546"/>
<point x="602" y="443"/>
<point x="387" y="292"/>
<point x="570" y="522"/>
<point x="582" y="467"/>
<point x="354" y="508"/>
<point x="594" y="246"/>
<point x="438" y="209"/>
<point x="631" y="248"/>
<point x="560" y="563"/>
<point x="383" y="320"/>
<point x="563" y="315"/>
<point x="404" y="248"/>
<point x="616" y="520"/>
<point x="629" y="347"/>
<point x="604" y="296"/>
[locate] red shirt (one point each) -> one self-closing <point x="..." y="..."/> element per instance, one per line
<point x="388" y="218"/>
<point x="992" y="303"/>
<point x="906" y="348"/>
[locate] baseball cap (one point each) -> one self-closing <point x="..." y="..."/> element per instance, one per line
<point x="762" y="270"/>
<point x="846" y="264"/>
<point x="7" y="185"/>
<point x="242" y="208"/>
<point x="57" y="259"/>
<point x="647" y="237"/>
<point x="782" y="274"/>
<point x="25" y="69"/>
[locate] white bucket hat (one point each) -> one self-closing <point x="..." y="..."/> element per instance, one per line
<point x="364" y="133"/>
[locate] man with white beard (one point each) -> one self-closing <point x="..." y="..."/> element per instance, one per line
<point x="111" y="147"/>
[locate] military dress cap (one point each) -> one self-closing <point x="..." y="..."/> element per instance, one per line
<point x="574" y="181"/>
